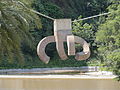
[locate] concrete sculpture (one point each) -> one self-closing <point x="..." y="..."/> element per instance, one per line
<point x="63" y="33"/>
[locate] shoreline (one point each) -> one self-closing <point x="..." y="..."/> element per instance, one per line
<point x="103" y="77"/>
<point x="52" y="70"/>
<point x="89" y="72"/>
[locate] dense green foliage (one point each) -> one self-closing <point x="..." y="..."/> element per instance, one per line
<point x="15" y="21"/>
<point x="84" y="30"/>
<point x="21" y="30"/>
<point x="71" y="8"/>
<point x="108" y="38"/>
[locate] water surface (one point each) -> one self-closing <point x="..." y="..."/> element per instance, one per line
<point x="58" y="84"/>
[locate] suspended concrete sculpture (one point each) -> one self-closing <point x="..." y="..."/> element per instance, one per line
<point x="63" y="33"/>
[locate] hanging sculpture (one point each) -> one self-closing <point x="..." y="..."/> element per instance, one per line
<point x="63" y="33"/>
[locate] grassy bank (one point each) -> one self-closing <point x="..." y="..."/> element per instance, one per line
<point x="36" y="63"/>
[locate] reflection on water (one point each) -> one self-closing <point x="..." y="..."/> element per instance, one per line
<point x="58" y="84"/>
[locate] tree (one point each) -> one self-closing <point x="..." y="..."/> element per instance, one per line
<point x="15" y="23"/>
<point x="108" y="39"/>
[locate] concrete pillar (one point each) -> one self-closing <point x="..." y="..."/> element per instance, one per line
<point x="62" y="28"/>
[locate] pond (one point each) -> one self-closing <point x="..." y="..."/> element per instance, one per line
<point x="57" y="82"/>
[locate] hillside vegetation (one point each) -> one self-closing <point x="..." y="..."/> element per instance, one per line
<point x="21" y="30"/>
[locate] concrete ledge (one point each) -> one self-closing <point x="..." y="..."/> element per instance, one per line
<point x="51" y="70"/>
<point x="56" y="77"/>
<point x="91" y="72"/>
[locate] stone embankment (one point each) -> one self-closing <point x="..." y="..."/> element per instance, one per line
<point x="51" y="70"/>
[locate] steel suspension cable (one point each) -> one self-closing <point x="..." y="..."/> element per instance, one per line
<point x="91" y="17"/>
<point x="35" y="11"/>
<point x="103" y="14"/>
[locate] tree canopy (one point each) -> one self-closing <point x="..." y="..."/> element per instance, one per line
<point x="21" y="30"/>
<point x="15" y="23"/>
<point x="108" y="39"/>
